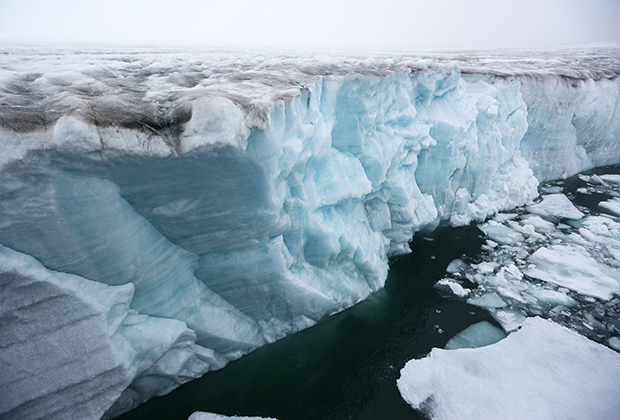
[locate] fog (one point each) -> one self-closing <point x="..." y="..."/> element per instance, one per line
<point x="336" y="24"/>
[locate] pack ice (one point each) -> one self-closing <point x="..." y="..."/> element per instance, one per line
<point x="163" y="213"/>
<point x="543" y="371"/>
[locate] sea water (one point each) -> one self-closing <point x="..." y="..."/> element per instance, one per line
<point x="346" y="366"/>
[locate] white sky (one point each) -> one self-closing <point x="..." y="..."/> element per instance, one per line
<point x="341" y="24"/>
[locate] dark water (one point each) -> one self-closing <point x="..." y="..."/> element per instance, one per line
<point x="346" y="366"/>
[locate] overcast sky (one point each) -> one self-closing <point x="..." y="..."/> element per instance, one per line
<point x="341" y="24"/>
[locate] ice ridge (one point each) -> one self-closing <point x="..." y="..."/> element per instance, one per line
<point x="229" y="211"/>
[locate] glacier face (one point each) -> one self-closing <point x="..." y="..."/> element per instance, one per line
<point x="222" y="202"/>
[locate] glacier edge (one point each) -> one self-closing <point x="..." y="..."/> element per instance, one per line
<point x="234" y="236"/>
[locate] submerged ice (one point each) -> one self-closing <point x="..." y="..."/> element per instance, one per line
<point x="227" y="205"/>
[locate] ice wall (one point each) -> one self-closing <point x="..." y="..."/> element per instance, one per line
<point x="236" y="223"/>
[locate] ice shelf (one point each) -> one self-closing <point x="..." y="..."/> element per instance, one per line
<point x="232" y="199"/>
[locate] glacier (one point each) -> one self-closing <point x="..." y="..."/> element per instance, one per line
<point x="163" y="213"/>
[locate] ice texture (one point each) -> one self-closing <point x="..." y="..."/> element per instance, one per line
<point x="569" y="266"/>
<point x="244" y="197"/>
<point x="556" y="205"/>
<point x="477" y="335"/>
<point x="72" y="347"/>
<point x="612" y="206"/>
<point x="566" y="272"/>
<point x="543" y="371"/>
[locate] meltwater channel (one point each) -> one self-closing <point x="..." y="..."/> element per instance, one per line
<point x="346" y="366"/>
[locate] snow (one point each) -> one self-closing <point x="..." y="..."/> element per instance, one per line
<point x="542" y="371"/>
<point x="510" y="319"/>
<point x="568" y="266"/>
<point x="611" y="178"/>
<point x="539" y="224"/>
<point x="243" y="197"/>
<point x="454" y="287"/>
<point x="556" y="205"/>
<point x="500" y="233"/>
<point x="489" y="300"/>
<point x="612" y="205"/>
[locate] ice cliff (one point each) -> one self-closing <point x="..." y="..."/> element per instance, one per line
<point x="163" y="213"/>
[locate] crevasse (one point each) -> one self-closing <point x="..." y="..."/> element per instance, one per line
<point x="231" y="237"/>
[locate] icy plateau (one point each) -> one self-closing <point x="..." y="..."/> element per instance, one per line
<point x="163" y="213"/>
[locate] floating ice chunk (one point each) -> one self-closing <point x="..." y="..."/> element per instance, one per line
<point x="511" y="272"/>
<point x="454" y="287"/>
<point x="614" y="343"/>
<point x="488" y="300"/>
<point x="477" y="335"/>
<point x="611" y="178"/>
<point x="457" y="266"/>
<point x="600" y="225"/>
<point x="489" y="245"/>
<point x="551" y="297"/>
<point x="509" y="318"/>
<point x="555" y="205"/>
<point x="540" y="225"/>
<point x="500" y="233"/>
<point x="504" y="217"/>
<point x="527" y="230"/>
<point x="571" y="267"/>
<point x="543" y="371"/>
<point x="199" y="415"/>
<point x="486" y="267"/>
<point x="552" y="189"/>
<point x="591" y="179"/>
<point x="612" y="205"/>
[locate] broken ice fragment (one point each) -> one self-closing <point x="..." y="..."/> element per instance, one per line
<point x="543" y="371"/>
<point x="489" y="300"/>
<point x="556" y="205"/>
<point x="454" y="287"/>
<point x="613" y="205"/>
<point x="571" y="267"/>
<point x="500" y="233"/>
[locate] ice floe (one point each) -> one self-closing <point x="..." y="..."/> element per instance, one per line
<point x="543" y="371"/>
<point x="550" y="259"/>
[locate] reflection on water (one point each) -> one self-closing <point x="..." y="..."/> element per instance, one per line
<point x="346" y="366"/>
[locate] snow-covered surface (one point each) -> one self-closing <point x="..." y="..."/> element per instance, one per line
<point x="571" y="267"/>
<point x="543" y="371"/>
<point x="556" y="205"/>
<point x="199" y="415"/>
<point x="246" y="196"/>
<point x="612" y="205"/>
